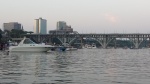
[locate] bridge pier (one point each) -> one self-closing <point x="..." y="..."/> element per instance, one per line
<point x="137" y="41"/>
<point x="104" y="41"/>
<point x="39" y="39"/>
<point x="104" y="44"/>
<point x="66" y="41"/>
<point x="115" y="43"/>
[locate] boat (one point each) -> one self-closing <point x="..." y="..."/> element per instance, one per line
<point x="88" y="46"/>
<point x="93" y="46"/>
<point x="28" y="45"/>
<point x="71" y="49"/>
<point x="58" y="48"/>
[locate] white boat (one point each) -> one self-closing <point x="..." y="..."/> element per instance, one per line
<point x="71" y="48"/>
<point x="93" y="46"/>
<point x="28" y="45"/>
<point x="88" y="46"/>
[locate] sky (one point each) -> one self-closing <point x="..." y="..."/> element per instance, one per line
<point x="84" y="16"/>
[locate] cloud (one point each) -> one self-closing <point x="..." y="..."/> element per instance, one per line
<point x="111" y="18"/>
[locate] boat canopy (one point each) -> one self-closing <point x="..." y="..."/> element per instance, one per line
<point x="28" y="41"/>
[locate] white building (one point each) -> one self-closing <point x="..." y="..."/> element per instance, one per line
<point x="40" y="26"/>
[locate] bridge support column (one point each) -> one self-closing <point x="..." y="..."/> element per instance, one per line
<point x="149" y="42"/>
<point x="65" y="40"/>
<point x="39" y="39"/>
<point x="115" y="43"/>
<point x="81" y="38"/>
<point x="104" y="41"/>
<point x="137" y="42"/>
<point x="50" y="40"/>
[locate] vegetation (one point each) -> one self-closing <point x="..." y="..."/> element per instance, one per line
<point x="14" y="33"/>
<point x="0" y="35"/>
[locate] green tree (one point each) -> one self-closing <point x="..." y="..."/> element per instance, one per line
<point x="1" y="31"/>
<point x="1" y="35"/>
<point x="17" y="33"/>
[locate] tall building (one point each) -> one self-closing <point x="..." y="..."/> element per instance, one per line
<point x="40" y="26"/>
<point x="62" y="28"/>
<point x="12" y="25"/>
<point x="61" y="25"/>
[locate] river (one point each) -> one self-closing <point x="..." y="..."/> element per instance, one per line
<point x="84" y="66"/>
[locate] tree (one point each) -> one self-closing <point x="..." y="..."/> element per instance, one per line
<point x="17" y="33"/>
<point x="1" y="35"/>
<point x="30" y="32"/>
<point x="1" y="31"/>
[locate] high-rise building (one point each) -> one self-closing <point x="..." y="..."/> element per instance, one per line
<point x="61" y="25"/>
<point x="12" y="25"/>
<point x="62" y="28"/>
<point x="40" y="26"/>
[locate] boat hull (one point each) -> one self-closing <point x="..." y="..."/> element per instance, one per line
<point x="71" y="49"/>
<point x="29" y="49"/>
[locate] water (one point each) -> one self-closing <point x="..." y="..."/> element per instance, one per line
<point x="84" y="66"/>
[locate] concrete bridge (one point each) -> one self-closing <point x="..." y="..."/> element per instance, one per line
<point x="103" y="39"/>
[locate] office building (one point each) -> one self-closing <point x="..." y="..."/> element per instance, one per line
<point x="12" y="25"/>
<point x="62" y="28"/>
<point x="40" y="26"/>
<point x="61" y="25"/>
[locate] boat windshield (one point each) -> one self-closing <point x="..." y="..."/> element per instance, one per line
<point x="28" y="41"/>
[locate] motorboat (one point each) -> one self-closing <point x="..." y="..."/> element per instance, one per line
<point x="88" y="46"/>
<point x="93" y="46"/>
<point x="58" y="48"/>
<point x="71" y="49"/>
<point x="28" y="45"/>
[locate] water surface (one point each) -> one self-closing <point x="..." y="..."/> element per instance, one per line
<point x="84" y="66"/>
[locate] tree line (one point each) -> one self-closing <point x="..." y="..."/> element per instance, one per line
<point x="14" y="33"/>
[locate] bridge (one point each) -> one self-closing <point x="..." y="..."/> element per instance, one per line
<point x="102" y="39"/>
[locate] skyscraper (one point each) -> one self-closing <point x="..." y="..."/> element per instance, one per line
<point x="62" y="28"/>
<point x="12" y="25"/>
<point x="61" y="25"/>
<point x="40" y="26"/>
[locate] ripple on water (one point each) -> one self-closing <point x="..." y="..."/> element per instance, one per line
<point x="84" y="66"/>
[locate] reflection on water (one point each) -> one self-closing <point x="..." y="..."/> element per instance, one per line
<point x="85" y="66"/>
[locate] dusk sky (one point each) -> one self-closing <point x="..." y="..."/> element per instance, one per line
<point x="85" y="16"/>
